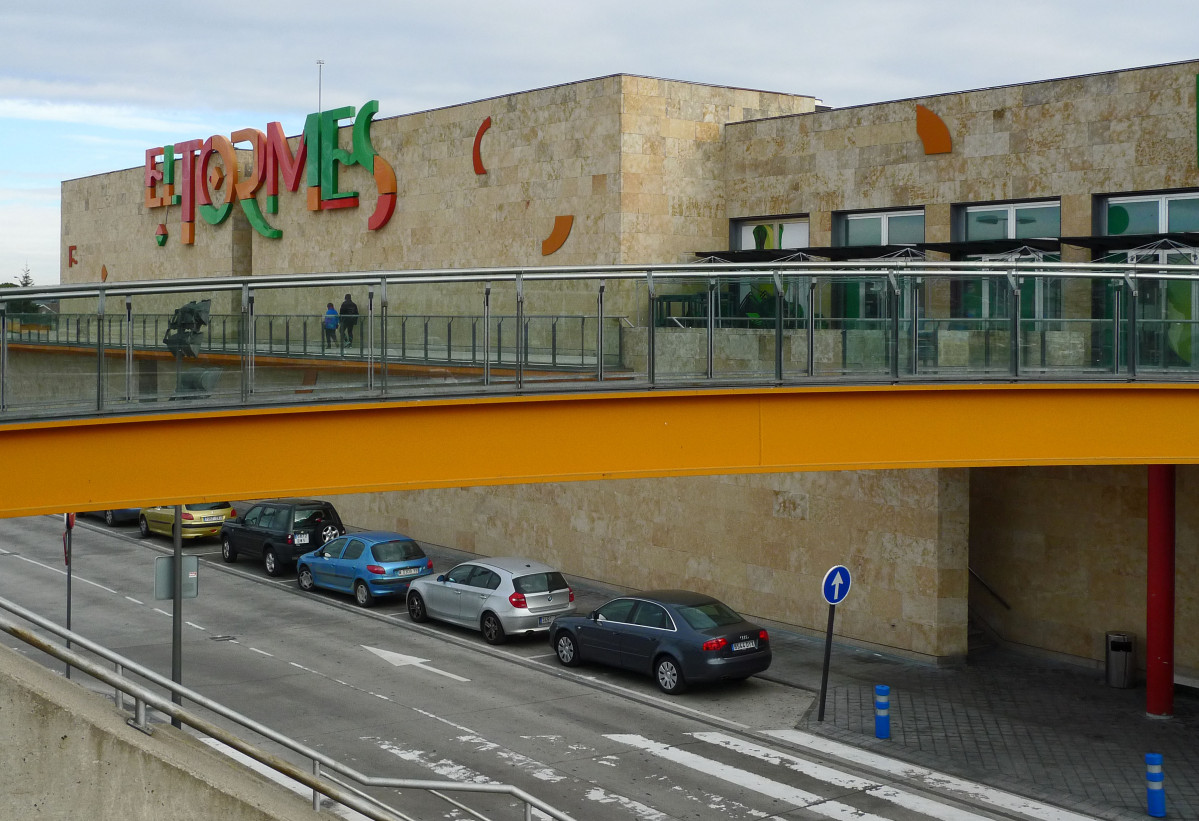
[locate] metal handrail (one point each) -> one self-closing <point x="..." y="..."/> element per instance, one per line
<point x="356" y="800"/>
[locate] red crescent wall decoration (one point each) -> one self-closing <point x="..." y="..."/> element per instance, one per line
<point x="932" y="132"/>
<point x="479" y="169"/>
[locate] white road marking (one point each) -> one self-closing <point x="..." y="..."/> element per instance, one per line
<point x="747" y="780"/>
<point x="75" y="577"/>
<point x="932" y="809"/>
<point x="400" y="660"/>
<point x="936" y="781"/>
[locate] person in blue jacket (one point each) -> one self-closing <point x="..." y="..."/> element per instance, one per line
<point x="329" y="323"/>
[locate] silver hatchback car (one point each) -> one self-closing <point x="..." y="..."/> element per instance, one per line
<point x="500" y="597"/>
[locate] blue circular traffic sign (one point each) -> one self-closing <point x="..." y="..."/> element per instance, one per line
<point x="836" y="584"/>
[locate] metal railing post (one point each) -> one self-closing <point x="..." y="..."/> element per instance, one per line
<point x="651" y="326"/>
<point x="129" y="349"/>
<point x="599" y="333"/>
<point x="3" y="355"/>
<point x="711" y="343"/>
<point x="487" y="334"/>
<point x="520" y="324"/>
<point x="100" y="353"/>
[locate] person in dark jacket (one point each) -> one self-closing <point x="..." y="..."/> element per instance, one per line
<point x="349" y="318"/>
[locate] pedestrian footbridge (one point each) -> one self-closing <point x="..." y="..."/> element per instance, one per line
<point x="125" y="394"/>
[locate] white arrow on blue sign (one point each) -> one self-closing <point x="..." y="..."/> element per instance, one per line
<point x="836" y="584"/>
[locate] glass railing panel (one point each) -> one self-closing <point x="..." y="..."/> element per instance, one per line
<point x="962" y="348"/>
<point x="55" y="363"/>
<point x="678" y="349"/>
<point x="435" y="337"/>
<point x="746" y="337"/>
<point x="305" y="343"/>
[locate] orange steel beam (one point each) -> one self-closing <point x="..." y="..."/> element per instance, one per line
<point x="252" y="453"/>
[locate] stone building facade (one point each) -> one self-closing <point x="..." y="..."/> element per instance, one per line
<point x="634" y="170"/>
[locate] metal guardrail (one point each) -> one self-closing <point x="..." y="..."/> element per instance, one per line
<point x="318" y="780"/>
<point x="879" y="322"/>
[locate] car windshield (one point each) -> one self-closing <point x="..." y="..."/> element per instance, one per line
<point x="308" y="516"/>
<point x="400" y="550"/>
<point x="209" y="506"/>
<point x="709" y="614"/>
<point x="539" y="582"/>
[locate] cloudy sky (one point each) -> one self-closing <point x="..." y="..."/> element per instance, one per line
<point x="86" y="87"/>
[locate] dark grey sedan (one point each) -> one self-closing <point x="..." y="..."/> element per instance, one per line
<point x="677" y="636"/>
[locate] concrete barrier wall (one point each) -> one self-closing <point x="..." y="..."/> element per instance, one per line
<point x="68" y="753"/>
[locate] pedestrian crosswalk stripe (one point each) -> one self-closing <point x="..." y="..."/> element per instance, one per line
<point x="837" y="778"/>
<point x="939" y="781"/>
<point x="752" y="781"/>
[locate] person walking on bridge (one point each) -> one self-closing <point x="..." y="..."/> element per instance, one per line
<point x="329" y="323"/>
<point x="349" y="318"/>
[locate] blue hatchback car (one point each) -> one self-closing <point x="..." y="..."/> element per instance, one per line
<point x="370" y="564"/>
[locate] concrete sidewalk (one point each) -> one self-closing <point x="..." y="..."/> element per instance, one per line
<point x="1011" y="720"/>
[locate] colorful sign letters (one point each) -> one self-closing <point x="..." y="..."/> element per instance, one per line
<point x="187" y="167"/>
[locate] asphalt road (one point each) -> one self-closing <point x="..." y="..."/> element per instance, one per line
<point x="397" y="699"/>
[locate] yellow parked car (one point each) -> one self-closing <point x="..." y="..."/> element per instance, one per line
<point x="199" y="519"/>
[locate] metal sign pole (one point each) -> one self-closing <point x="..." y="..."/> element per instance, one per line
<point x="177" y="610"/>
<point x="834" y="588"/>
<point x="69" y="521"/>
<point x="828" y="652"/>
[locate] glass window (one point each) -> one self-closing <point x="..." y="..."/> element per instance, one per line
<point x="539" y="583"/>
<point x="209" y="506"/>
<point x="354" y="549"/>
<point x="484" y="578"/>
<point x="1152" y="214"/>
<point x="308" y="516"/>
<point x="617" y="610"/>
<point x="269" y="519"/>
<point x="771" y="234"/>
<point x="1182" y="214"/>
<point x="652" y="615"/>
<point x="1015" y="221"/>
<point x="333" y="549"/>
<point x="399" y="550"/>
<point x="710" y="614"/>
<point x="253" y="516"/>
<point x="461" y="573"/>
<point x="883" y="228"/>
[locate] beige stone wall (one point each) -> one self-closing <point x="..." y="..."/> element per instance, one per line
<point x="636" y="161"/>
<point x="1075" y="138"/>
<point x="1065" y="547"/>
<point x="762" y="543"/>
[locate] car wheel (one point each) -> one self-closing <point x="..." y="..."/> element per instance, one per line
<point x="306" y="582"/>
<point x="669" y="676"/>
<point x="271" y="562"/>
<point x="227" y="551"/>
<point x="362" y="594"/>
<point x="567" y="649"/>
<point x="493" y="631"/>
<point x="143" y="526"/>
<point x="330" y="532"/>
<point x="110" y="518"/>
<point x="416" y="607"/>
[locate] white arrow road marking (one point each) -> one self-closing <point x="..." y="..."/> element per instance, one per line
<point x="934" y="780"/>
<point x="916" y="803"/>
<point x="400" y="660"/>
<point x="747" y="780"/>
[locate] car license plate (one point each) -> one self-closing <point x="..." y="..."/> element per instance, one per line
<point x="745" y="645"/>
<point x="213" y="518"/>
<point x="301" y="538"/>
<point x="544" y="619"/>
<point x="407" y="571"/>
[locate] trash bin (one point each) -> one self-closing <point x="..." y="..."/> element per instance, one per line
<point x="1120" y="660"/>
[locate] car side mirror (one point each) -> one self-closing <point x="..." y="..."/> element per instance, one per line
<point x="441" y="578"/>
<point x="594" y="615"/>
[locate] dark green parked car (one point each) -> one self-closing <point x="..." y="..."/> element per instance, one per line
<point x="279" y="531"/>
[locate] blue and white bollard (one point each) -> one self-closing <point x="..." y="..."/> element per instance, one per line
<point x="882" y="711"/>
<point x="1155" y="787"/>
